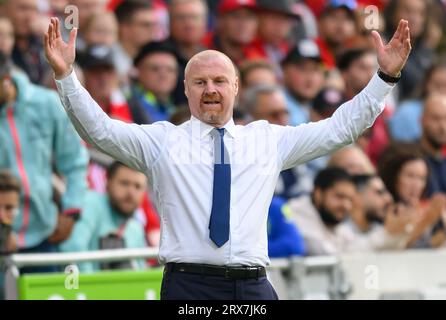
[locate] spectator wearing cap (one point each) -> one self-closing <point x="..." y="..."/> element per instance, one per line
<point x="303" y="78"/>
<point x="137" y="24"/>
<point x="337" y="25"/>
<point x="236" y="28"/>
<point x="275" y="21"/>
<point x="101" y="79"/>
<point x="151" y="94"/>
<point x="325" y="103"/>
<point x="188" y="27"/>
<point x="357" y="66"/>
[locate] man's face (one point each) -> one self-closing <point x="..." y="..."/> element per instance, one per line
<point x="9" y="203"/>
<point x="434" y="121"/>
<point x="304" y="79"/>
<point x="211" y="87"/>
<point x="274" y="27"/>
<point x="411" y="181"/>
<point x="360" y="72"/>
<point x="437" y="82"/>
<point x="271" y="106"/>
<point x="23" y="13"/>
<point x="336" y="201"/>
<point x="103" y="30"/>
<point x="158" y="73"/>
<point x="413" y="11"/>
<point x="100" y="81"/>
<point x="239" y="26"/>
<point x="143" y="27"/>
<point x="87" y="8"/>
<point x="126" y="190"/>
<point x="6" y="36"/>
<point x="336" y="27"/>
<point x="259" y="76"/>
<point x="375" y="199"/>
<point x="188" y="22"/>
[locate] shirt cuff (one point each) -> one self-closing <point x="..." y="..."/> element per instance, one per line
<point x="68" y="85"/>
<point x="378" y="88"/>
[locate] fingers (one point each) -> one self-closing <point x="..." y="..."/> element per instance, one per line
<point x="53" y="30"/>
<point x="377" y="40"/>
<point x="73" y="34"/>
<point x="57" y="29"/>
<point x="399" y="30"/>
<point x="47" y="44"/>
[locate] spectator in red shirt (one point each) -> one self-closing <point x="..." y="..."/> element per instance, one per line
<point x="236" y="28"/>
<point x="276" y="18"/>
<point x="336" y="27"/>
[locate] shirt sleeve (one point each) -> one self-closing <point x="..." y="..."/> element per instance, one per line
<point x="138" y="146"/>
<point x="307" y="141"/>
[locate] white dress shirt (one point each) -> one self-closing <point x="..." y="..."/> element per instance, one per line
<point x="179" y="163"/>
<point x="345" y="237"/>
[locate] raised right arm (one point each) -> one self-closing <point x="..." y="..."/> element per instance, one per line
<point x="135" y="145"/>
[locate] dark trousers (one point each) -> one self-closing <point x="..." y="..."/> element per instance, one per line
<point x="186" y="286"/>
<point x="44" y="247"/>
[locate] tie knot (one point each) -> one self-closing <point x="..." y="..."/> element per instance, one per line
<point x="221" y="131"/>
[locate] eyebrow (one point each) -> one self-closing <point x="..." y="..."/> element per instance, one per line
<point x="215" y="78"/>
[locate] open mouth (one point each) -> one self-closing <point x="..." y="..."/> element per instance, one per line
<point x="211" y="103"/>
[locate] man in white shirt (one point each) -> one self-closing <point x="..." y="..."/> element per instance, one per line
<point x="317" y="216"/>
<point x="213" y="181"/>
<point x="374" y="223"/>
<point x="342" y="215"/>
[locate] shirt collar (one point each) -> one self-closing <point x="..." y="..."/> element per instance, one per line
<point x="205" y="128"/>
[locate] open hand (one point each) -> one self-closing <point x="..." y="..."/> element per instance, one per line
<point x="60" y="55"/>
<point x="393" y="56"/>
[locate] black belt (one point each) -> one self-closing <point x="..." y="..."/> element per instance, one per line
<point x="242" y="272"/>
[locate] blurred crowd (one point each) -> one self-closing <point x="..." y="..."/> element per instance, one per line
<point x="298" y="61"/>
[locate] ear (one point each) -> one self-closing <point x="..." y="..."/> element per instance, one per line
<point x="236" y="85"/>
<point x="317" y="195"/>
<point x="185" y="88"/>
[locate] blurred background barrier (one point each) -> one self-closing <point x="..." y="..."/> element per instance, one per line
<point x="414" y="274"/>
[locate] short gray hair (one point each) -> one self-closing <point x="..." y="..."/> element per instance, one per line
<point x="252" y="94"/>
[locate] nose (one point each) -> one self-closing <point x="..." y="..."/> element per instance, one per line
<point x="347" y="205"/>
<point x="210" y="88"/>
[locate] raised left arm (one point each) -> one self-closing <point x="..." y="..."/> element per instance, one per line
<point x="311" y="140"/>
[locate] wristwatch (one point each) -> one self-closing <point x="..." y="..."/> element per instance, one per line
<point x="385" y="77"/>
